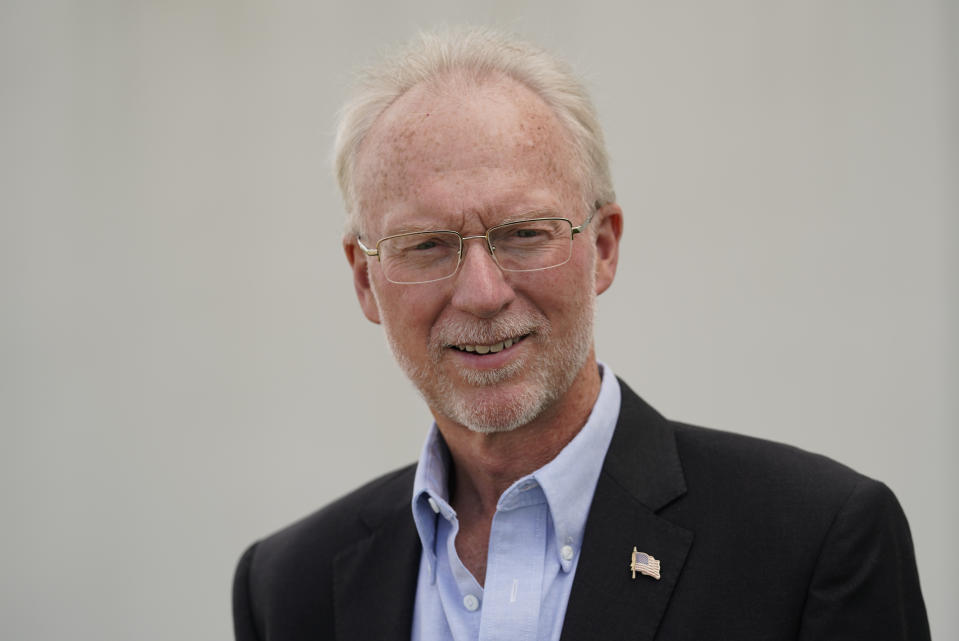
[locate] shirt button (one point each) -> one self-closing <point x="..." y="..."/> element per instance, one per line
<point x="567" y="553"/>
<point x="470" y="602"/>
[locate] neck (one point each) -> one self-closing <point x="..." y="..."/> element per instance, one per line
<point x="485" y="465"/>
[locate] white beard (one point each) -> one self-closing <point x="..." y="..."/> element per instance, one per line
<point x="550" y="372"/>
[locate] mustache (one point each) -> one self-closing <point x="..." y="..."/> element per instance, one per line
<point x="477" y="331"/>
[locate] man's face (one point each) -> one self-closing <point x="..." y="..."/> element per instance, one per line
<point x="467" y="160"/>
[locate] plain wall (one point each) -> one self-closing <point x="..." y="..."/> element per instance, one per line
<point x="184" y="367"/>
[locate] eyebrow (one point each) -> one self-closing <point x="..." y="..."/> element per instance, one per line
<point x="414" y="227"/>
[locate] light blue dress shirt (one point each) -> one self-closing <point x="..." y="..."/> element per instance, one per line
<point x="534" y="542"/>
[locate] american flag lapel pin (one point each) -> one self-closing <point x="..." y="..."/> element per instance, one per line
<point x="644" y="564"/>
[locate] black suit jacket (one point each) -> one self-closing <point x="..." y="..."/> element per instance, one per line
<point x="756" y="541"/>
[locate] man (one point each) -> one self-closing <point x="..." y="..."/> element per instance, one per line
<point x="549" y="502"/>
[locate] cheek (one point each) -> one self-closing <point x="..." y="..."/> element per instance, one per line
<point x="579" y="274"/>
<point x="565" y="294"/>
<point x="559" y="295"/>
<point x="407" y="311"/>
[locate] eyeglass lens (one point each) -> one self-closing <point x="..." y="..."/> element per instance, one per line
<point x="520" y="246"/>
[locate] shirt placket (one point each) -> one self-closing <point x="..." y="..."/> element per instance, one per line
<point x="515" y="566"/>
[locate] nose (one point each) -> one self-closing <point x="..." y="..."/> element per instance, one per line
<point x="480" y="287"/>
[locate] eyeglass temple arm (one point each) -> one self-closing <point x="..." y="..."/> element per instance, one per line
<point x="585" y="224"/>
<point x="371" y="252"/>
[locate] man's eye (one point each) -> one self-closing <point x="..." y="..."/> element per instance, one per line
<point x="427" y="243"/>
<point x="527" y="232"/>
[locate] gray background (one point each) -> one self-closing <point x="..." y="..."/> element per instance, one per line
<point x="183" y="366"/>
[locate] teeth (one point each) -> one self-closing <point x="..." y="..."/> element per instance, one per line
<point x="488" y="349"/>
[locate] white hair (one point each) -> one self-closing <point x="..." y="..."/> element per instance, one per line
<point x="473" y="54"/>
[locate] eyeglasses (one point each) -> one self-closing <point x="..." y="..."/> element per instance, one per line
<point x="528" y="245"/>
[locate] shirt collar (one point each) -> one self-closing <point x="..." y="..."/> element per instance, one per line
<point x="568" y="481"/>
<point x="431" y="493"/>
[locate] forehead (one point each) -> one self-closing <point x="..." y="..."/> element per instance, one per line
<point x="456" y="148"/>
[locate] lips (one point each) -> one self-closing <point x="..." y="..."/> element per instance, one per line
<point x="489" y="348"/>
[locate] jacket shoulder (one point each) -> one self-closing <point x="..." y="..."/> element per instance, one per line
<point x="761" y="465"/>
<point x="340" y="523"/>
<point x="834" y="547"/>
<point x="662" y="459"/>
<point x="286" y="579"/>
<point x="748" y="488"/>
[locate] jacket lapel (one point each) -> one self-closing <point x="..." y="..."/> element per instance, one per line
<point x="374" y="580"/>
<point x="641" y="475"/>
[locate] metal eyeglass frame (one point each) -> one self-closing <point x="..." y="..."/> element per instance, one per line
<point x="489" y="244"/>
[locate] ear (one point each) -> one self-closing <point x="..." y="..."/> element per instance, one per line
<point x="609" y="229"/>
<point x="361" y="279"/>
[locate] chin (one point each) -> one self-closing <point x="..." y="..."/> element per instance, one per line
<point x="502" y="412"/>
<point x="502" y="400"/>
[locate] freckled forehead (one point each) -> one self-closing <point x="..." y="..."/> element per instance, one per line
<point x="502" y="111"/>
<point x="451" y="145"/>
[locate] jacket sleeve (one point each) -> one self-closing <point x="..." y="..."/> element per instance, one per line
<point x="865" y="584"/>
<point x="243" y="625"/>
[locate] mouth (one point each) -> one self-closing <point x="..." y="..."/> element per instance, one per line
<point x="489" y="348"/>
